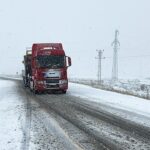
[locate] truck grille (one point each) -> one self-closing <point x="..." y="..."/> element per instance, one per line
<point x="52" y="80"/>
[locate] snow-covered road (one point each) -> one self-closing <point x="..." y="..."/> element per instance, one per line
<point x="84" y="118"/>
<point x="24" y="125"/>
<point x="125" y="102"/>
<point x="11" y="111"/>
<point x="125" y="106"/>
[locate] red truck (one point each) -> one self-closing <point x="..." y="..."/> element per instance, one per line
<point x="46" y="68"/>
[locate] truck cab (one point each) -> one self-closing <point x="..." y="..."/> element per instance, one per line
<point x="49" y="66"/>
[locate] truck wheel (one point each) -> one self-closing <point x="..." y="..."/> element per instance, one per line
<point x="35" y="91"/>
<point x="64" y="92"/>
<point x="30" y="86"/>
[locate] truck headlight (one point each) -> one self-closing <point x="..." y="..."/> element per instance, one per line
<point x="63" y="81"/>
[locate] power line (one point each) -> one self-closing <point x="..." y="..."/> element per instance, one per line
<point x="136" y="56"/>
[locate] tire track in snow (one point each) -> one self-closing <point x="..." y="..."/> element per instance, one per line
<point x="56" y="105"/>
<point x="105" y="143"/>
<point x="27" y="126"/>
<point x="50" y="124"/>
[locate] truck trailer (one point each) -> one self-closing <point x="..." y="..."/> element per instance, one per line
<point x="45" y="68"/>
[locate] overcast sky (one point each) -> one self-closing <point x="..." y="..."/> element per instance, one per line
<point x="82" y="26"/>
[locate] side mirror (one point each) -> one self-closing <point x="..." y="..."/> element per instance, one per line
<point x="68" y="61"/>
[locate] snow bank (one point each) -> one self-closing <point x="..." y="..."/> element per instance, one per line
<point x="126" y="102"/>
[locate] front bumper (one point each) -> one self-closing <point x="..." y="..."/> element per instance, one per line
<point x="52" y="84"/>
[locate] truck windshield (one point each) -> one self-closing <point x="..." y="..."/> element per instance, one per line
<point x="51" y="61"/>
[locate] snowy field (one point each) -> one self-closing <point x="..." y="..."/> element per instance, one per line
<point x="135" y="87"/>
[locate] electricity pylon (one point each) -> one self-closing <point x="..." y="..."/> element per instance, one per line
<point x="116" y="45"/>
<point x="100" y="52"/>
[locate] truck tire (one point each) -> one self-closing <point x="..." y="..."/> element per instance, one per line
<point x="64" y="92"/>
<point x="35" y="91"/>
<point x="30" y="86"/>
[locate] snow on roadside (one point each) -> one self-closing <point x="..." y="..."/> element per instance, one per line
<point x="11" y="77"/>
<point x="10" y="126"/>
<point x="135" y="87"/>
<point x="125" y="102"/>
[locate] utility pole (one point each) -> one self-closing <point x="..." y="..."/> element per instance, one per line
<point x="116" y="45"/>
<point x="100" y="53"/>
